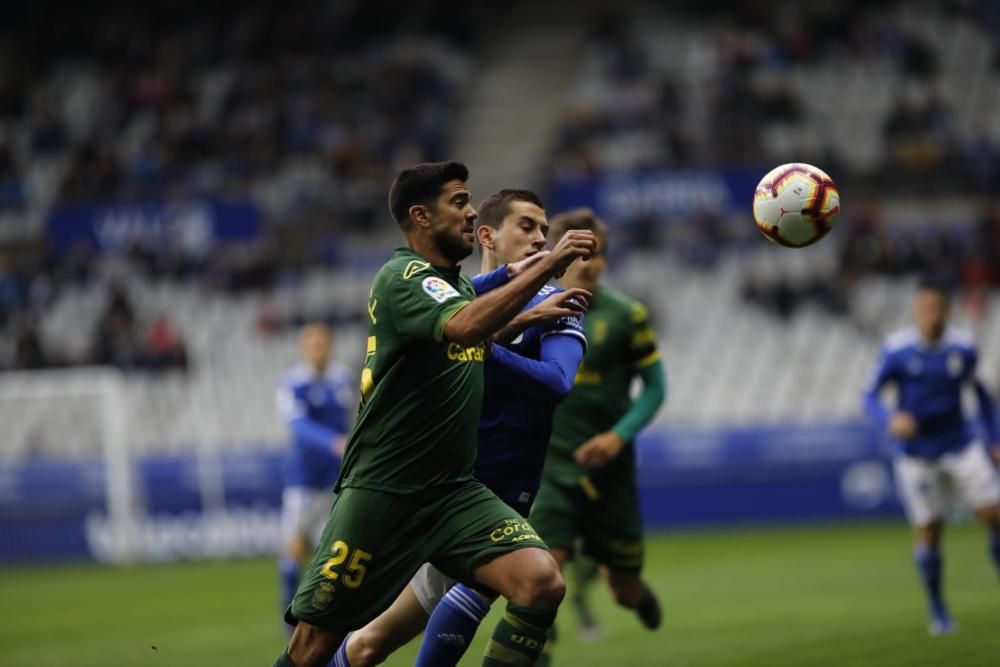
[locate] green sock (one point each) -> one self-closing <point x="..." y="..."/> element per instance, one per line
<point x="545" y="659"/>
<point x="283" y="660"/>
<point x="519" y="637"/>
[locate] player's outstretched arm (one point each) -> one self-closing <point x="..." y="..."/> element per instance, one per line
<point x="487" y="314"/>
<point x="567" y="303"/>
<point x="646" y="404"/>
<point x="553" y="373"/>
<point x="486" y="282"/>
<point x="873" y="405"/>
<point x="313" y="435"/>
<point x="605" y="447"/>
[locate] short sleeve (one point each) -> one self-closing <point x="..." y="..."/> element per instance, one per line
<point x="642" y="349"/>
<point x="422" y="305"/>
<point x="570" y="325"/>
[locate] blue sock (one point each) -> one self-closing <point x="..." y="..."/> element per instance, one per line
<point x="340" y="657"/>
<point x="451" y="628"/>
<point x="995" y="549"/>
<point x="288" y="570"/>
<point x="929" y="563"/>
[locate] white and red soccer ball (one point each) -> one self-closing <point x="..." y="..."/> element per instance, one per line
<point x="796" y="204"/>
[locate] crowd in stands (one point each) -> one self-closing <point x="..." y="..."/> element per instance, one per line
<point x="717" y="106"/>
<point x="309" y="113"/>
<point x="300" y="109"/>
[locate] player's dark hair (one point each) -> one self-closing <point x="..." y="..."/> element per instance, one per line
<point x="937" y="284"/>
<point x="496" y="207"/>
<point x="421" y="184"/>
<point x="578" y="218"/>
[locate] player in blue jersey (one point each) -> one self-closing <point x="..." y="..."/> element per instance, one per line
<point x="935" y="449"/>
<point x="531" y="368"/>
<point x="316" y="401"/>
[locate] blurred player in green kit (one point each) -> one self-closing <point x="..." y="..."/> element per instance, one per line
<point x="588" y="497"/>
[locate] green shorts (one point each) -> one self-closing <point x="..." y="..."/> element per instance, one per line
<point x="606" y="520"/>
<point x="375" y="541"/>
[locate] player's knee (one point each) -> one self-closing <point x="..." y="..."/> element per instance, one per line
<point x="367" y="648"/>
<point x="545" y="587"/>
<point x="626" y="590"/>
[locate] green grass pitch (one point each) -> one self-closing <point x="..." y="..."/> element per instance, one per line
<point x="841" y="595"/>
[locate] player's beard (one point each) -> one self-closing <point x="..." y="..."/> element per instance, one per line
<point x="452" y="245"/>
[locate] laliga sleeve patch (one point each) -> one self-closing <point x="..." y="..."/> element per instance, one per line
<point x="439" y="289"/>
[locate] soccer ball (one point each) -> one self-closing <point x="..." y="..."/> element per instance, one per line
<point x="796" y="204"/>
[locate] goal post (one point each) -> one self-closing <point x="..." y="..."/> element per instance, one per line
<point x="75" y="420"/>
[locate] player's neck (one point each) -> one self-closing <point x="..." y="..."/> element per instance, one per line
<point x="429" y="249"/>
<point x="931" y="341"/>
<point x="490" y="261"/>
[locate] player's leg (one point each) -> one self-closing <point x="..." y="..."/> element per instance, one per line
<point x="303" y="516"/>
<point x="372" y="544"/>
<point x="294" y="551"/>
<point x="496" y="548"/>
<point x="530" y="580"/>
<point x="921" y="490"/>
<point x="979" y="484"/>
<point x="583" y="572"/>
<point x="455" y="616"/>
<point x="393" y="628"/>
<point x="990" y="517"/>
<point x="612" y="536"/>
<point x="554" y="516"/>
<point x="631" y="592"/>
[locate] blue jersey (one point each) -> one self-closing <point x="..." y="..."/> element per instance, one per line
<point x="929" y="379"/>
<point x="317" y="409"/>
<point x="524" y="382"/>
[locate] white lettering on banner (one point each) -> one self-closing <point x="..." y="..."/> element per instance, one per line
<point x="865" y="485"/>
<point x="629" y="197"/>
<point x="189" y="225"/>
<point x="225" y="534"/>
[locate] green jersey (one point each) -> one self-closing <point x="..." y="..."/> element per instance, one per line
<point x="621" y="342"/>
<point x="420" y="395"/>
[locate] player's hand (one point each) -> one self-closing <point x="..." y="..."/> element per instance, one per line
<point x="995" y="453"/>
<point x="573" y="301"/>
<point x="339" y="445"/>
<point x="516" y="268"/>
<point x="902" y="425"/>
<point x="599" y="450"/>
<point x="575" y="244"/>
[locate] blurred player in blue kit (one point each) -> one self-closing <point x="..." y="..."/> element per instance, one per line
<point x="935" y="450"/>
<point x="316" y="400"/>
<point x="530" y="370"/>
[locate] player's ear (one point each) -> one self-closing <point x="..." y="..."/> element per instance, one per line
<point x="420" y="215"/>
<point x="485" y="235"/>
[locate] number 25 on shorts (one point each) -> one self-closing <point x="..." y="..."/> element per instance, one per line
<point x="356" y="568"/>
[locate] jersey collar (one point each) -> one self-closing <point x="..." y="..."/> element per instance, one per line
<point x="447" y="271"/>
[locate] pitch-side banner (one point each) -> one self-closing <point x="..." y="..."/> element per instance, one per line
<point x="189" y="228"/>
<point x="625" y="196"/>
<point x="229" y="506"/>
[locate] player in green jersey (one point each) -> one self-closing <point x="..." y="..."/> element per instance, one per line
<point x="588" y="493"/>
<point x="406" y="495"/>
